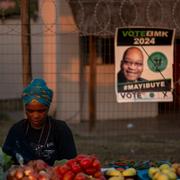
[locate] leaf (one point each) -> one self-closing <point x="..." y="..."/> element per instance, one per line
<point x="60" y="162"/>
<point x="5" y="161"/>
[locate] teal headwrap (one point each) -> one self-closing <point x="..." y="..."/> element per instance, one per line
<point x="39" y="91"/>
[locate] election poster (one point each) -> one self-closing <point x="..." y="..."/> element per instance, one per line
<point x="144" y="64"/>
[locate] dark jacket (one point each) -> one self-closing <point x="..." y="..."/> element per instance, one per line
<point x="54" y="142"/>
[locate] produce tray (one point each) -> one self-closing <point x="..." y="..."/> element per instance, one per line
<point x="141" y="166"/>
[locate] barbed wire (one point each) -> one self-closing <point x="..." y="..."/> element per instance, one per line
<point x="159" y="8"/>
<point x="174" y="10"/>
<point x="103" y="18"/>
<point x="121" y="13"/>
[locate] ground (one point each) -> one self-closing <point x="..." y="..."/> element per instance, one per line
<point x="139" y="139"/>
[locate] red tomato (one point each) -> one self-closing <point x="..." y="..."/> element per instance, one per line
<point x="86" y="162"/>
<point x="80" y="176"/>
<point x="98" y="174"/>
<point x="71" y="161"/>
<point x="96" y="164"/>
<point x="63" y="169"/>
<point x="79" y="157"/>
<point x="75" y="167"/>
<point x="90" y="171"/>
<point x="69" y="175"/>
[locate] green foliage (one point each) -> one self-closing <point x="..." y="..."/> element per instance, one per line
<point x="60" y="162"/>
<point x="5" y="161"/>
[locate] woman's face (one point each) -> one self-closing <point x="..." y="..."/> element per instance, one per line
<point x="36" y="113"/>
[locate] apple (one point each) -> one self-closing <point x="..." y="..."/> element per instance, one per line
<point x="129" y="172"/>
<point x="19" y="173"/>
<point x="156" y="175"/>
<point x="116" y="178"/>
<point x="11" y="173"/>
<point x="152" y="171"/>
<point x="37" y="164"/>
<point x="164" y="166"/>
<point x="112" y="172"/>
<point x="162" y="176"/>
<point x="32" y="176"/>
<point x="28" y="170"/>
<point x="175" y="165"/>
<point x="172" y="175"/>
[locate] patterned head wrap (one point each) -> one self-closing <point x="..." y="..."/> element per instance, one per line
<point x="38" y="90"/>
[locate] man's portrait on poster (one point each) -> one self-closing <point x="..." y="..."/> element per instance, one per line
<point x="131" y="66"/>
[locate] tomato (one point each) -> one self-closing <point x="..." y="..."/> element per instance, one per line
<point x="90" y="171"/>
<point x="63" y="169"/>
<point x="79" y="157"/>
<point x="86" y="162"/>
<point x="98" y="174"/>
<point x="69" y="175"/>
<point x="70" y="162"/>
<point x="76" y="168"/>
<point x="96" y="164"/>
<point x="80" y="176"/>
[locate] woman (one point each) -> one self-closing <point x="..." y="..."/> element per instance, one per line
<point x="39" y="136"/>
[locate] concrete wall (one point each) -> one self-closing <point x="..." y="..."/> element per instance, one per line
<point x="69" y="107"/>
<point x="68" y="72"/>
<point x="11" y="58"/>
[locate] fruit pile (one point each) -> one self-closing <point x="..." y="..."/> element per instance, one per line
<point x="80" y="168"/>
<point x="142" y="170"/>
<point x="165" y="172"/>
<point x="36" y="169"/>
<point x="121" y="174"/>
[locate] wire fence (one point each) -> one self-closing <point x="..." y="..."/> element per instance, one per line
<point x="60" y="53"/>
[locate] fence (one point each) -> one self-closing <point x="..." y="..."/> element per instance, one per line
<point x="60" y="48"/>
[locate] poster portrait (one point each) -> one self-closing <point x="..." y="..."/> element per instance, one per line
<point x="144" y="64"/>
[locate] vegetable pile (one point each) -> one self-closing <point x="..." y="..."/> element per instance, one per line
<point x="80" y="168"/>
<point x="36" y="169"/>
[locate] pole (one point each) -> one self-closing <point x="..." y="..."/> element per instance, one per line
<point x="26" y="41"/>
<point x="92" y="82"/>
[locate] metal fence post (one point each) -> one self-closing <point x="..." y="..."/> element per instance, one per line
<point x="26" y="41"/>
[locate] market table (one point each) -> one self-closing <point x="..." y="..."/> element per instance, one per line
<point x="88" y="167"/>
<point x="142" y="167"/>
